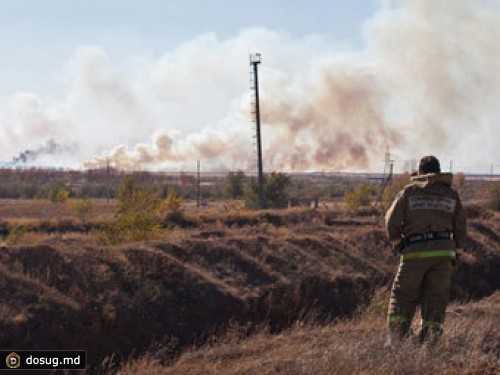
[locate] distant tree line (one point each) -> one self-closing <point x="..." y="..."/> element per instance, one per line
<point x="106" y="183"/>
<point x="57" y="185"/>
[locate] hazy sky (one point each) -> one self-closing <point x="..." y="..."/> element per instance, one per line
<point x="39" y="37"/>
<point x="151" y="83"/>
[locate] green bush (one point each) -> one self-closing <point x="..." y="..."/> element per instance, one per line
<point x="276" y="192"/>
<point x="234" y="184"/>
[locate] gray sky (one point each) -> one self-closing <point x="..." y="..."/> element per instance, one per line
<point x="158" y="84"/>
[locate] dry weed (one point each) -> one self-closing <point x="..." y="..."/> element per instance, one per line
<point x="470" y="345"/>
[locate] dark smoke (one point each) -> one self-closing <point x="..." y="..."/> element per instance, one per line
<point x="27" y="156"/>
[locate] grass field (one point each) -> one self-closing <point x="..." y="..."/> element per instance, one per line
<point x="292" y="291"/>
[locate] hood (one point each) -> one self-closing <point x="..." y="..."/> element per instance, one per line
<point x="433" y="179"/>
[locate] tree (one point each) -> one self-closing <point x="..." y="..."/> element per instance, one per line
<point x="251" y="194"/>
<point x="234" y="184"/>
<point x="137" y="215"/>
<point x="276" y="190"/>
<point x="276" y="193"/>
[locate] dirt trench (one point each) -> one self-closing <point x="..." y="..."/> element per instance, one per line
<point x="125" y="300"/>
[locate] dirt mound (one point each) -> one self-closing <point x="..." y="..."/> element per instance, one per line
<point x="115" y="300"/>
<point x="476" y="274"/>
<point x="476" y="211"/>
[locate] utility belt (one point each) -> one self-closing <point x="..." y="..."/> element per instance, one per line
<point x="426" y="237"/>
<point x="420" y="237"/>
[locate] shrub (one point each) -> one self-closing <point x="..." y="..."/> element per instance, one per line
<point x="172" y="208"/>
<point x="16" y="234"/>
<point x="57" y="192"/>
<point x="83" y="209"/>
<point x="362" y="196"/>
<point x="173" y="202"/>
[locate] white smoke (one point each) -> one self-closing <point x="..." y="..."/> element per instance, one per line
<point x="426" y="83"/>
<point x="439" y="62"/>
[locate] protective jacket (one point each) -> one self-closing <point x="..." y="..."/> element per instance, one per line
<point x="428" y="217"/>
<point x="427" y="205"/>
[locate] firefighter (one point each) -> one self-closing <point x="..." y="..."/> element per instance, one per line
<point x="427" y="222"/>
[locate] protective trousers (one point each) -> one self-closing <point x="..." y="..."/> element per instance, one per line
<point x="425" y="282"/>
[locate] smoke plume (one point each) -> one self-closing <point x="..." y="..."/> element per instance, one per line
<point x="50" y="148"/>
<point x="425" y="82"/>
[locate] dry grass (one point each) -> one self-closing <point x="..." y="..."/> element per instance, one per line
<point x="43" y="209"/>
<point x="268" y="266"/>
<point x="469" y="346"/>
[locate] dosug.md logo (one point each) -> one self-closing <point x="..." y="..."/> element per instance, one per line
<point x="13" y="360"/>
